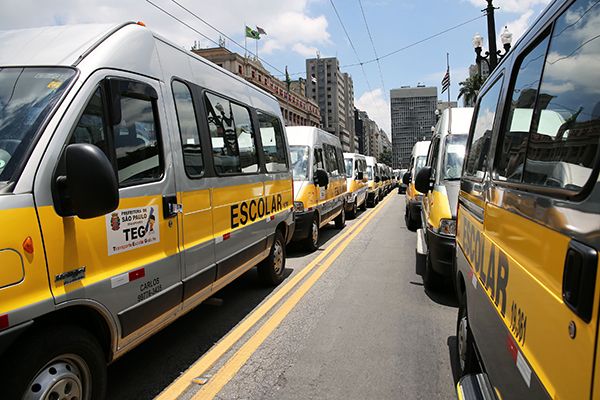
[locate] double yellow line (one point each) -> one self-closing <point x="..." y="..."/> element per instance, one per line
<point x="233" y="365"/>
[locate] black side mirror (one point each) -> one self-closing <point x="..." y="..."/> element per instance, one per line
<point x="359" y="176"/>
<point x="423" y="180"/>
<point x="377" y="179"/>
<point x="90" y="183"/>
<point x="406" y="178"/>
<point x="321" y="178"/>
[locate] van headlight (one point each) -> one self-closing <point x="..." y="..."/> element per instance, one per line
<point x="447" y="227"/>
<point x="298" y="206"/>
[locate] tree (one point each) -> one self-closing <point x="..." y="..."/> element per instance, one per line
<point x="469" y="89"/>
<point x="385" y="157"/>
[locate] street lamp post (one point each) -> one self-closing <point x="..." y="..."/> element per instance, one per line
<point x="492" y="56"/>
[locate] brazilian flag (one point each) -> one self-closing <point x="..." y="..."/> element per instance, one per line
<point x="252" y="34"/>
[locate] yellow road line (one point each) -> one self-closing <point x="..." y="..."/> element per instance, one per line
<point x="233" y="365"/>
<point x="178" y="386"/>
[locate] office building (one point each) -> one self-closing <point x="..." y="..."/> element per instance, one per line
<point x="413" y="116"/>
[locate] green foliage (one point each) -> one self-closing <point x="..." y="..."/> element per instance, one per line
<point x="469" y="89"/>
<point x="385" y="157"/>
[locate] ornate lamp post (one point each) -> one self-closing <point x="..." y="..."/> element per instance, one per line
<point x="492" y="56"/>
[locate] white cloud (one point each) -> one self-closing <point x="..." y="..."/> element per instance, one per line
<point x="517" y="27"/>
<point x="304" y="50"/>
<point x="378" y="108"/>
<point x="286" y="22"/>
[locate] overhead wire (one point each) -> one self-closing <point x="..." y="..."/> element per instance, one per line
<point x="351" y="44"/>
<point x="372" y="44"/>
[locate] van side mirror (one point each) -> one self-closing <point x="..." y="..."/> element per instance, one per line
<point x="406" y="178"/>
<point x="359" y="176"/>
<point x="423" y="180"/>
<point x="321" y="178"/>
<point x="377" y="179"/>
<point x="90" y="184"/>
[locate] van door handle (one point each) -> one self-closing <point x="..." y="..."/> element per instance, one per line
<point x="579" y="279"/>
<point x="170" y="206"/>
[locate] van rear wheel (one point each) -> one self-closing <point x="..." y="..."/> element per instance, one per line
<point x="57" y="363"/>
<point x="270" y="270"/>
<point x="311" y="243"/>
<point x="340" y="220"/>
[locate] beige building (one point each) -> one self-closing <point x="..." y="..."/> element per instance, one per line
<point x="297" y="109"/>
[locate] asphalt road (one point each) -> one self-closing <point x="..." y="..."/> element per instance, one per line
<point x="365" y="330"/>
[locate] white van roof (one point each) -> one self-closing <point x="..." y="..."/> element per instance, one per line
<point x="421" y="148"/>
<point x="307" y="136"/>
<point x="461" y="120"/>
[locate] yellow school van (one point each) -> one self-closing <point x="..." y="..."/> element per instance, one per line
<point x="136" y="180"/>
<point x="319" y="182"/>
<point x="528" y="225"/>
<point x="412" y="211"/>
<point x="373" y="182"/>
<point x="356" y="182"/>
<point x="439" y="181"/>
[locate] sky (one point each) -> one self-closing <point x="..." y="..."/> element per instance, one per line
<point x="297" y="29"/>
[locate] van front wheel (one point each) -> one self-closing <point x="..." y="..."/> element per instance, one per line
<point x="340" y="220"/>
<point x="271" y="269"/>
<point x="57" y="363"/>
<point x="311" y="243"/>
<point x="431" y="279"/>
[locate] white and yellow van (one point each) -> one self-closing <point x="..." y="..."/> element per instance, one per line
<point x="374" y="182"/>
<point x="356" y="182"/>
<point x="385" y="180"/>
<point x="319" y="182"/>
<point x="418" y="159"/>
<point x="528" y="226"/>
<point x="136" y="180"/>
<point x="439" y="181"/>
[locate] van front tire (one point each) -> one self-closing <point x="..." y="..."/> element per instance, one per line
<point x="311" y="243"/>
<point x="340" y="220"/>
<point x="271" y="270"/>
<point x="59" y="362"/>
<point x="431" y="279"/>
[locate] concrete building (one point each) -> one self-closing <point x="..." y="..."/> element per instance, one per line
<point x="413" y="115"/>
<point x="333" y="91"/>
<point x="297" y="109"/>
<point x="372" y="140"/>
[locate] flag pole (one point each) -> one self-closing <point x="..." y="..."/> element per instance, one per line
<point x="449" y="84"/>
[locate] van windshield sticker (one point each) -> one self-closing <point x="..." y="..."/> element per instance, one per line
<point x="131" y="228"/>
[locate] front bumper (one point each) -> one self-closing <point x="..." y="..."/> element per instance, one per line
<point x="303" y="221"/>
<point x="441" y="252"/>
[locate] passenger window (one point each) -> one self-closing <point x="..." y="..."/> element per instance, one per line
<point x="340" y="161"/>
<point x="512" y="145"/>
<point x="188" y="130"/>
<point x="273" y="143"/>
<point x="433" y="156"/>
<point x="318" y="160"/>
<point x="476" y="164"/>
<point x="232" y="137"/>
<point x="563" y="143"/>
<point x="136" y="142"/>
<point x="91" y="127"/>
<point x="330" y="159"/>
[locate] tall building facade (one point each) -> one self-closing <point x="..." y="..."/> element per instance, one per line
<point x="372" y="140"/>
<point x="413" y="115"/>
<point x="333" y="91"/>
<point x="296" y="108"/>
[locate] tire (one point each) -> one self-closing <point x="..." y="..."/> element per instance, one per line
<point x="54" y="362"/>
<point x="271" y="269"/>
<point x="340" y="220"/>
<point x="411" y="224"/>
<point x="363" y="206"/>
<point x="465" y="344"/>
<point x="311" y="243"/>
<point x="352" y="213"/>
<point x="431" y="279"/>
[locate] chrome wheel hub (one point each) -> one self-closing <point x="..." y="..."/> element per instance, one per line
<point x="64" y="378"/>
<point x="277" y="258"/>
<point x="315" y="232"/>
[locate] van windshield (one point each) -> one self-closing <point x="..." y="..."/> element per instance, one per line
<point x="348" y="162"/>
<point x="27" y="97"/>
<point x="299" y="157"/>
<point x="420" y="163"/>
<point x="454" y="157"/>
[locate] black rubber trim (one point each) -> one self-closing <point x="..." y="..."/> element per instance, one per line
<point x="441" y="252"/>
<point x="226" y="266"/>
<point x="135" y="317"/>
<point x="8" y="336"/>
<point x="199" y="281"/>
<point x="302" y="225"/>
